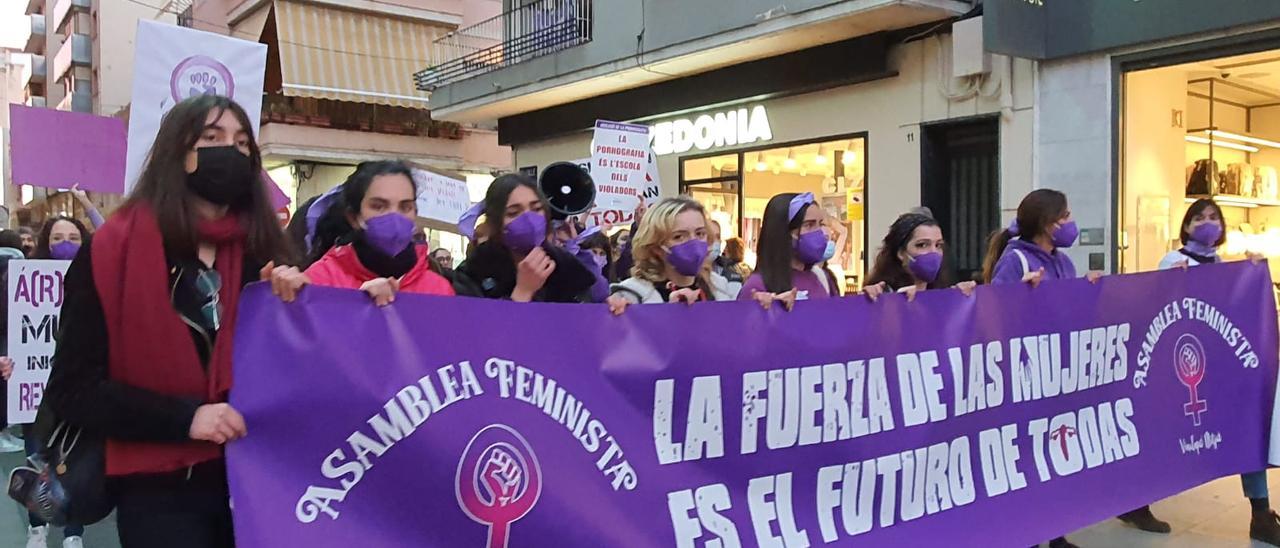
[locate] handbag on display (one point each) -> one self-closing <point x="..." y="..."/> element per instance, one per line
<point x="1248" y="181"/>
<point x="66" y="482"/>
<point x="1234" y="181"/>
<point x="1268" y="187"/>
<point x="1204" y="178"/>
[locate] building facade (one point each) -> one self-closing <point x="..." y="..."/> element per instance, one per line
<point x="1156" y="106"/>
<point x="875" y="107"/>
<point x="81" y="60"/>
<point x="340" y="89"/>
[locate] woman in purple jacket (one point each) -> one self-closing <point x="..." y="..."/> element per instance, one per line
<point x="1030" y="250"/>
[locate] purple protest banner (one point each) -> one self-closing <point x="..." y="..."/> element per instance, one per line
<point x="1001" y="419"/>
<point x="58" y="149"/>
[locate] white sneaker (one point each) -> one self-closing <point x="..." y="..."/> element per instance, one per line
<point x="10" y="444"/>
<point x="38" y="537"/>
<point x="72" y="542"/>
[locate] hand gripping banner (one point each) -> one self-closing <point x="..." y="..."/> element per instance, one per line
<point x="1001" y="419"/>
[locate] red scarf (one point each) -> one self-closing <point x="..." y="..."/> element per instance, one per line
<point x="149" y="346"/>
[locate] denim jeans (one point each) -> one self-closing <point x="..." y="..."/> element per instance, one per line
<point x="29" y="440"/>
<point x="1255" y="484"/>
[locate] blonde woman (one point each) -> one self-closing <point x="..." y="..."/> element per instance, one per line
<point x="671" y="259"/>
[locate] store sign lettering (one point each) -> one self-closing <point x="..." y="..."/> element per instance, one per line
<point x="735" y="127"/>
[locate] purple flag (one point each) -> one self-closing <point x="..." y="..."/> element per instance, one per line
<point x="58" y="149"/>
<point x="278" y="197"/>
<point x="1001" y="419"/>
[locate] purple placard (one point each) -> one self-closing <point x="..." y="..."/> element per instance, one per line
<point x="1001" y="419"/>
<point x="278" y="197"/>
<point x="57" y="149"/>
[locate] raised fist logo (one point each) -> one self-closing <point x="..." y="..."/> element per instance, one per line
<point x="498" y="480"/>
<point x="502" y="476"/>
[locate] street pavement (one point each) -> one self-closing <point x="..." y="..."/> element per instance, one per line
<point x="1215" y="515"/>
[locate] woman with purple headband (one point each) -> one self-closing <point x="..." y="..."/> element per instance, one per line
<point x="792" y="241"/>
<point x="1031" y="250"/>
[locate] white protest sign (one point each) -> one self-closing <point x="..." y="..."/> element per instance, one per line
<point x="35" y="301"/>
<point x="172" y="63"/>
<point x="625" y="171"/>
<point x="441" y="198"/>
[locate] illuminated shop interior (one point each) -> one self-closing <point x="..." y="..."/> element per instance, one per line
<point x="736" y="186"/>
<point x="1195" y="130"/>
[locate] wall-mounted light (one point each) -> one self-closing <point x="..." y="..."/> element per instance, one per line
<point x="760" y="165"/>
<point x="822" y="156"/>
<point x="1244" y="138"/>
<point x="850" y="157"/>
<point x="790" y="162"/>
<point x="1222" y="144"/>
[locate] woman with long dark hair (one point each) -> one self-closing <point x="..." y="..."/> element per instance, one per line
<point x="517" y="262"/>
<point x="377" y="254"/>
<point x="1031" y="250"/>
<point x="792" y="241"/>
<point x="61" y="238"/>
<point x="911" y="257"/>
<point x="151" y="306"/>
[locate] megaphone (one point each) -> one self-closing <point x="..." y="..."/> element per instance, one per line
<point x="569" y="189"/>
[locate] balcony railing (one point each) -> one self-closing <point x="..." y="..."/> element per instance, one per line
<point x="77" y="102"/>
<point x="63" y="7"/>
<point x="35" y="40"/>
<point x="324" y="113"/>
<point x="535" y="29"/>
<point x="38" y="72"/>
<point x="76" y="51"/>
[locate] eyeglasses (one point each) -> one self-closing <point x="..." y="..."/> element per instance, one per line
<point x="209" y="284"/>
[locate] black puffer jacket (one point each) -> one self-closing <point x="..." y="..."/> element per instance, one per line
<point x="491" y="269"/>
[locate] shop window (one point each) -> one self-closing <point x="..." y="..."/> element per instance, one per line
<point x="735" y="188"/>
<point x="715" y="167"/>
<point x="1207" y="129"/>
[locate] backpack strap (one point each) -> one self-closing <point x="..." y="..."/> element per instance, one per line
<point x="1026" y="268"/>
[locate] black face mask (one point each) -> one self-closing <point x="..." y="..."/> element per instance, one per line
<point x="223" y="176"/>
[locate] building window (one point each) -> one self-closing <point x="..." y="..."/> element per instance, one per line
<point x="1209" y="128"/>
<point x="735" y="187"/>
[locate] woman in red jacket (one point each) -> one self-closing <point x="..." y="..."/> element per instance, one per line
<point x="144" y="357"/>
<point x="377" y="255"/>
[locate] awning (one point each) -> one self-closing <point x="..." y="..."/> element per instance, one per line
<point x="330" y="53"/>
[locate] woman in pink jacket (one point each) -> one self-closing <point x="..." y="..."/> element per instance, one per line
<point x="377" y="255"/>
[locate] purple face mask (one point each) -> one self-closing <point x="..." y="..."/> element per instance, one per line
<point x="811" y="246"/>
<point x="925" y="266"/>
<point x="600" y="260"/>
<point x="64" y="250"/>
<point x="525" y="232"/>
<point x="687" y="258"/>
<point x="389" y="233"/>
<point x="1207" y="234"/>
<point x="1065" y="235"/>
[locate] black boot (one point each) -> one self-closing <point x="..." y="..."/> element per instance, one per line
<point x="1143" y="519"/>
<point x="1265" y="527"/>
<point x="1061" y="542"/>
